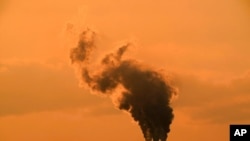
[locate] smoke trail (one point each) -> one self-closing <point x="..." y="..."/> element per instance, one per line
<point x="146" y="93"/>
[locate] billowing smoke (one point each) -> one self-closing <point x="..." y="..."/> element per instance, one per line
<point x="143" y="92"/>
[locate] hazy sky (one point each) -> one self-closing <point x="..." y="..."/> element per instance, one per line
<point x="205" y="45"/>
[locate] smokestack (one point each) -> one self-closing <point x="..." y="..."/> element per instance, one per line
<point x="145" y="92"/>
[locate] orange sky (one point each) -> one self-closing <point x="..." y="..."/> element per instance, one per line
<point x="203" y="44"/>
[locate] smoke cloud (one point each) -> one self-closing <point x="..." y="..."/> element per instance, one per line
<point x="143" y="92"/>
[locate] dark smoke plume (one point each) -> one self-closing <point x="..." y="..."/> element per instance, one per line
<point x="145" y="92"/>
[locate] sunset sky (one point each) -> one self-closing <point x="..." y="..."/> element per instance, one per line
<point x="203" y="44"/>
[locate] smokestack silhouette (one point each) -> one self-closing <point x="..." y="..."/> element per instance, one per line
<point x="145" y="92"/>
